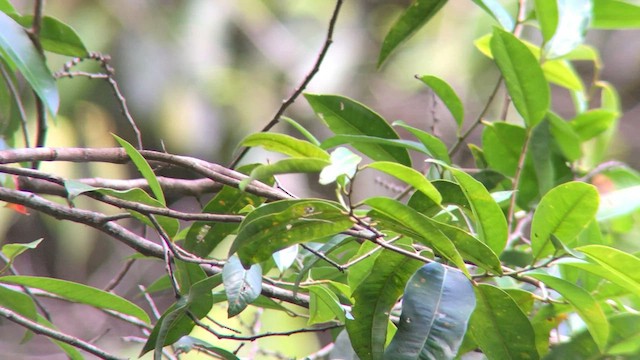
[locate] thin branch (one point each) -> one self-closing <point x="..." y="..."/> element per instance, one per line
<point x="121" y="274"/>
<point x="152" y="304"/>
<point x="25" y="289"/>
<point x="314" y="70"/>
<point x="323" y="257"/>
<point x="54" y="334"/>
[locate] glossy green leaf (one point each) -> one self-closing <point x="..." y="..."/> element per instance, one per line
<point x="308" y="135"/>
<point x="343" y="163"/>
<point x="57" y="37"/>
<point x="615" y="14"/>
<point x="503" y="143"/>
<point x="362" y="139"/>
<point x="448" y="96"/>
<point x="17" y="49"/>
<point x="547" y="14"/>
<point x="286" y="166"/>
<point x="435" y="147"/>
<point x="324" y="305"/>
<point x="499" y="326"/>
<point x="618" y="275"/>
<point x="406" y="221"/>
<point x="617" y="262"/>
<point x="412" y="19"/>
<point x="498" y="12"/>
<point x="592" y="123"/>
<point x="619" y="203"/>
<point x="550" y="167"/>
<point x="563" y="212"/>
<point x="144" y="168"/>
<point x="523" y="76"/>
<point x="374" y="298"/>
<point x="285" y="144"/>
<point x="242" y="286"/>
<point x="566" y="138"/>
<point x="436" y="307"/>
<point x="79" y="293"/>
<point x="574" y="18"/>
<point x="409" y="176"/>
<point x="281" y="224"/>
<point x="344" y="116"/>
<point x="491" y="224"/>
<point x="585" y="305"/>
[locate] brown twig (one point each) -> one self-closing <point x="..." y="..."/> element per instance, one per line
<point x="121" y="274"/>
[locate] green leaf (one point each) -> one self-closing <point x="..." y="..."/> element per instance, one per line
<point x="6" y="7"/>
<point x="57" y="37"/>
<point x="615" y="14"/>
<point x="344" y="116"/>
<point x="523" y="76"/>
<point x="374" y="299"/>
<point x="144" y="168"/>
<point x="69" y="350"/>
<point x="285" y="144"/>
<point x="592" y="123"/>
<point x="188" y="343"/>
<point x="410" y="176"/>
<point x="498" y="12"/>
<point x="574" y="18"/>
<point x="446" y="93"/>
<point x="502" y="144"/>
<point x="359" y="271"/>
<point x="618" y="275"/>
<point x="547" y="14"/>
<point x="18" y="302"/>
<point x="12" y="251"/>
<point x="281" y="224"/>
<point x="619" y="263"/>
<point x="566" y="138"/>
<point x="491" y="224"/>
<point x="79" y="293"/>
<point x="241" y="286"/>
<point x="17" y="49"/>
<point x="435" y="147"/>
<point x="286" y="166"/>
<point x="362" y="139"/>
<point x="588" y="309"/>
<point x="309" y="136"/>
<point x="563" y="212"/>
<point x="414" y="17"/>
<point x="625" y="334"/>
<point x="324" y="305"/>
<point x="343" y="163"/>
<point x="436" y="307"/>
<point x="499" y="326"/>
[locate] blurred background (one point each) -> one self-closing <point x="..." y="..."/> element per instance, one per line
<point x="199" y="75"/>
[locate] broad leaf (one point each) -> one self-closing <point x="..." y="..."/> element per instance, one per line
<point x="362" y="139"/>
<point x="566" y="138"/>
<point x="499" y="326"/>
<point x="324" y="305"/>
<point x="448" y="96"/>
<point x="57" y="37"/>
<point x="547" y="14"/>
<point x="436" y="307"/>
<point x="285" y="144"/>
<point x="344" y="116"/>
<point x="435" y="147"/>
<point x="17" y="49"/>
<point x="281" y="224"/>
<point x="286" y="166"/>
<point x="413" y="18"/>
<point x="374" y="298"/>
<point x="523" y="76"/>
<point x="144" y="168"/>
<point x="593" y="122"/>
<point x="616" y="262"/>
<point x="503" y="143"/>
<point x="242" y="286"/>
<point x="574" y="18"/>
<point x="563" y="212"/>
<point x="615" y="14"/>
<point x="286" y="257"/>
<point x="79" y="293"/>
<point x="18" y="302"/>
<point x="410" y="176"/>
<point x="308" y="135"/>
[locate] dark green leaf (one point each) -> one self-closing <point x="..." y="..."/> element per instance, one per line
<point x="566" y="138"/>
<point x="436" y="307"/>
<point x="503" y="143"/>
<point x="374" y="298"/>
<point x="79" y="293"/>
<point x="447" y="95"/>
<point x="285" y="144"/>
<point x="414" y="18"/>
<point x="348" y="117"/>
<point x="435" y="147"/>
<point x="615" y="14"/>
<point x="409" y="176"/>
<point x="498" y="12"/>
<point x="523" y="76"/>
<point x="499" y="326"/>
<point x="547" y="14"/>
<point x="241" y="286"/>
<point x="17" y="49"/>
<point x="281" y="224"/>
<point x="144" y="168"/>
<point x="563" y="212"/>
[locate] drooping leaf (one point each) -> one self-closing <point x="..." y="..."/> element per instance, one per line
<point x="448" y="96"/>
<point x="574" y="18"/>
<point x="144" y="168"/>
<point x="241" y="285"/>
<point x="18" y="302"/>
<point x="323" y="305"/>
<point x="498" y="12"/>
<point x="547" y="15"/>
<point x="79" y="293"/>
<point x="586" y="306"/>
<point x="414" y="17"/>
<point x="374" y="298"/>
<point x="435" y="147"/>
<point x="285" y="144"/>
<point x="343" y="163"/>
<point x="436" y="307"/>
<point x="17" y="49"/>
<point x="563" y="212"/>
<point x="344" y="116"/>
<point x="57" y="37"/>
<point x="523" y="76"/>
<point x="499" y="326"/>
<point x="281" y="224"/>
<point x="410" y="176"/>
<point x="615" y="14"/>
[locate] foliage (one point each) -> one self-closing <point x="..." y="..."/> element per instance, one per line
<point x="516" y="258"/>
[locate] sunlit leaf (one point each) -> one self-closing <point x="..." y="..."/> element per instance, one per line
<point x="413" y="18"/>
<point x="619" y="203"/>
<point x="343" y="163"/>
<point x="242" y="286"/>
<point x="574" y="18"/>
<point x="11" y="251"/>
<point x="436" y="307"/>
<point x="286" y="257"/>
<point x="57" y="37"/>
<point x="410" y="176"/>
<point x="448" y="96"/>
<point x="363" y="139"/>
<point x="285" y="144"/>
<point x="308" y="135"/>
<point x="615" y="14"/>
<point x="547" y="15"/>
<point x="592" y="123"/>
<point x="18" y="302"/>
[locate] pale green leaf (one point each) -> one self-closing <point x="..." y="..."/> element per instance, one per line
<point x="410" y="176"/>
<point x="285" y="144"/>
<point x="144" y="168"/>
